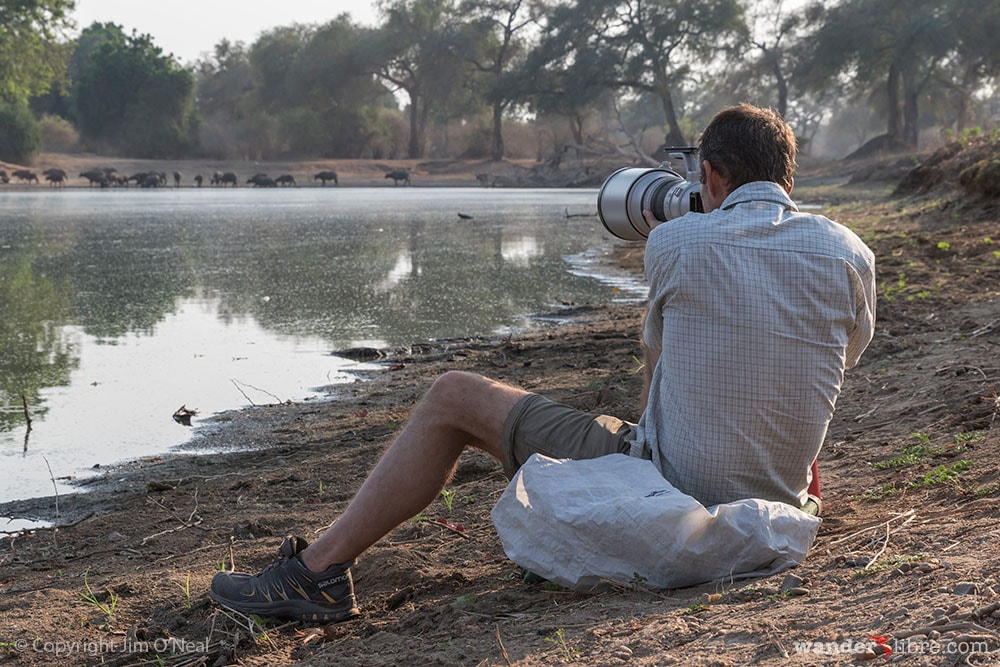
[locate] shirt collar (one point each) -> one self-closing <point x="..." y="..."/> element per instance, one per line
<point x="757" y="192"/>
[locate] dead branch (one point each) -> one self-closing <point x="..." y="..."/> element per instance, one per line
<point x="632" y="139"/>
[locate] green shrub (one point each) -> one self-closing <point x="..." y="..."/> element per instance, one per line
<point x="20" y="133"/>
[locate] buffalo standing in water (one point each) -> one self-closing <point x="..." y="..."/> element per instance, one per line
<point x="325" y="176"/>
<point x="399" y="175"/>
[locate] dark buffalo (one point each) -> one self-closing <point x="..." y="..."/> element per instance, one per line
<point x="398" y="175"/>
<point x="285" y="179"/>
<point x="177" y="179"/>
<point x="4" y="178"/>
<point x="24" y="175"/>
<point x="95" y="177"/>
<point x="228" y="178"/>
<point x="325" y="176"/>
<point x="151" y="180"/>
<point x="56" y="178"/>
<point x="198" y="179"/>
<point x="138" y="177"/>
<point x="261" y="181"/>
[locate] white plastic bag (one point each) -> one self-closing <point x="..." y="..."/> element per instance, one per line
<point x="582" y="523"/>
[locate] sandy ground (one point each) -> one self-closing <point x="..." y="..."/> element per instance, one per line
<point x="906" y="556"/>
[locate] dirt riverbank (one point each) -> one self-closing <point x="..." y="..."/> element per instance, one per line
<point x="907" y="550"/>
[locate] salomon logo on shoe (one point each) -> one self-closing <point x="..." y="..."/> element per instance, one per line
<point x="331" y="582"/>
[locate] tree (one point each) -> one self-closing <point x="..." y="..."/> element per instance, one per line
<point x="494" y="43"/>
<point x="335" y="99"/>
<point x="27" y="64"/>
<point x="896" y="46"/>
<point x="30" y="62"/>
<point x="417" y="56"/>
<point x="225" y="93"/>
<point x="645" y="47"/>
<point x="130" y="97"/>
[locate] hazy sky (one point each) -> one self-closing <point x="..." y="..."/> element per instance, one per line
<point x="190" y="28"/>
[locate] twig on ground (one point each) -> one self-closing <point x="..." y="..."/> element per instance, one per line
<point x="947" y="627"/>
<point x="503" y="651"/>
<point x="185" y="523"/>
<point x="881" y="551"/>
<point x="909" y="515"/>
<point x="263" y="391"/>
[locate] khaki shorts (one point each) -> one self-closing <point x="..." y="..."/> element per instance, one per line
<point x="536" y="425"/>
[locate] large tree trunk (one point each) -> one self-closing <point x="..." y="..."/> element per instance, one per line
<point x="497" y="151"/>
<point x="415" y="149"/>
<point x="895" y="129"/>
<point x="782" y="84"/>
<point x="675" y="137"/>
<point x="911" y="116"/>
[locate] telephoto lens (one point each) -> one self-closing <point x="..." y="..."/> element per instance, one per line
<point x="661" y="190"/>
<point x="629" y="191"/>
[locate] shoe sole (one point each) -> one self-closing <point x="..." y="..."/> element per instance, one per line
<point x="296" y="609"/>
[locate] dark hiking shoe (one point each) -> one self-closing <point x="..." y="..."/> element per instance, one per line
<point x="287" y="589"/>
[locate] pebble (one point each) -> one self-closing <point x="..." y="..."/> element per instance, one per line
<point x="965" y="588"/>
<point x="798" y="590"/>
<point x="623" y="653"/>
<point x="926" y="567"/>
<point x="791" y="581"/>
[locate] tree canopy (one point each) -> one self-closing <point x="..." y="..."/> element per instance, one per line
<point x="455" y="77"/>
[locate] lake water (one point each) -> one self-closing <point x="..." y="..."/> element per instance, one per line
<point x="118" y="307"/>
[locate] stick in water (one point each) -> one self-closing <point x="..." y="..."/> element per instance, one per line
<point x="27" y="414"/>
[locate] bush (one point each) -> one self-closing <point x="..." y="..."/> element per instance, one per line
<point x="59" y="135"/>
<point x="20" y="133"/>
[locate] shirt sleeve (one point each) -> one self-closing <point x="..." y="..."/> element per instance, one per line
<point x="864" y="320"/>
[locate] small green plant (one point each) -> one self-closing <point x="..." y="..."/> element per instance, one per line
<point x="558" y="638"/>
<point x="468" y="598"/>
<point x="695" y="609"/>
<point x="988" y="490"/>
<point x="907" y="457"/>
<point x="878" y="493"/>
<point x="893" y="562"/>
<point x="638" y="581"/>
<point x="943" y="474"/>
<point x="186" y="589"/>
<point x="448" y="496"/>
<point x="943" y="246"/>
<point x="970" y="437"/>
<point x="106" y="606"/>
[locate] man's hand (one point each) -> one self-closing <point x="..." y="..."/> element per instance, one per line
<point x="650" y="219"/>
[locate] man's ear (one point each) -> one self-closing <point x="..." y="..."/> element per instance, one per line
<point x="718" y="188"/>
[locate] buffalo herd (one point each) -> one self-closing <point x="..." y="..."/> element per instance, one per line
<point x="108" y="177"/>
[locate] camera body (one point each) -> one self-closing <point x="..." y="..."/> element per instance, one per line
<point x="626" y="193"/>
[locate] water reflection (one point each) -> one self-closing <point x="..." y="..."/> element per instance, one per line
<point x="128" y="304"/>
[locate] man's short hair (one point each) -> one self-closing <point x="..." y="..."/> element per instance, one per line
<point x="745" y="143"/>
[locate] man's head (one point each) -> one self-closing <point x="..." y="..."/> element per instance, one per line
<point x="745" y="143"/>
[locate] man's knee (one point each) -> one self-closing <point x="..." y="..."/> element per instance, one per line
<point x="452" y="386"/>
<point x="471" y="402"/>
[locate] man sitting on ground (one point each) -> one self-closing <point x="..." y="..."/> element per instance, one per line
<point x="755" y="312"/>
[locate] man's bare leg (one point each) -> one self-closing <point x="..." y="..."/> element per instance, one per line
<point x="461" y="409"/>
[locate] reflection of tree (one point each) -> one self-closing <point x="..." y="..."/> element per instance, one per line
<point x="126" y="279"/>
<point x="34" y="353"/>
<point x="343" y="281"/>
